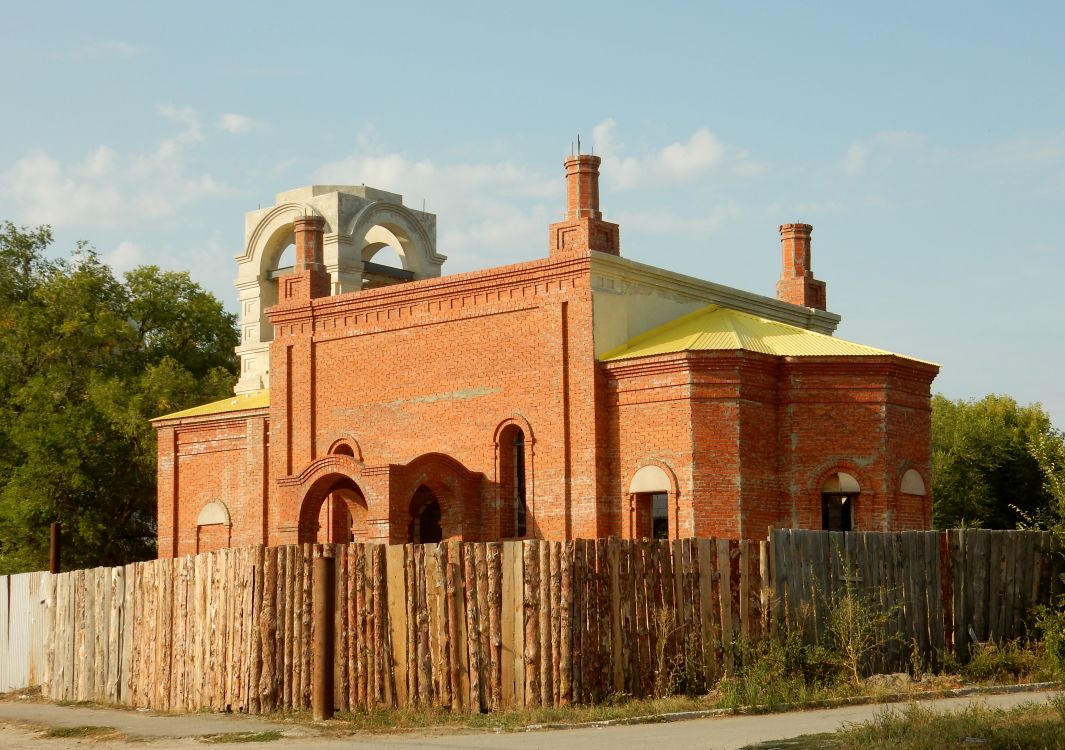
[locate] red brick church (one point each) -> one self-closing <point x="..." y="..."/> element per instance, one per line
<point x="577" y="395"/>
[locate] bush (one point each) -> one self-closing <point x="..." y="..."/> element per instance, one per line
<point x="1012" y="661"/>
<point x="1050" y="622"/>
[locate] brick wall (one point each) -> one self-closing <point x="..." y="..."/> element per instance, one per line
<point x="205" y="459"/>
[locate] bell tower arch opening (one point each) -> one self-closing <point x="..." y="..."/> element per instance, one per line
<point x="359" y="222"/>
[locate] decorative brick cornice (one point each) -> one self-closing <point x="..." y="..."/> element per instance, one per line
<point x="230" y="419"/>
<point x="521" y="281"/>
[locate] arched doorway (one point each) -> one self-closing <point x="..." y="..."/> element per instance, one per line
<point x="334" y="512"/>
<point x="425" y="516"/>
<point x="650" y="513"/>
<point x="342" y="518"/>
<point x="838" y="495"/>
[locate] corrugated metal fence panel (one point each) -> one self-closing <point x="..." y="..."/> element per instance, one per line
<point x="24" y="625"/>
<point x="5" y="650"/>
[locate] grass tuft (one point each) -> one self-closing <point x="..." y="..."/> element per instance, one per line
<point x="1031" y="726"/>
<point x="92" y="732"/>
<point x="269" y="735"/>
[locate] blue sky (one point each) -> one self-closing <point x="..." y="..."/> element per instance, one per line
<point x="924" y="141"/>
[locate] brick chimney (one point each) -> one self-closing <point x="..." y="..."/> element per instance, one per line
<point x="797" y="284"/>
<point x="583" y="229"/>
<point x="308" y="279"/>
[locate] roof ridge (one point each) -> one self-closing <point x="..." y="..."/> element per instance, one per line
<point x="735" y="329"/>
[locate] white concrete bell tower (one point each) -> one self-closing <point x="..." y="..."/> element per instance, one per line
<point x="359" y="221"/>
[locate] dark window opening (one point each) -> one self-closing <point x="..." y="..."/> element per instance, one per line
<point x="425" y="525"/>
<point x="513" y="499"/>
<point x="660" y="515"/>
<point x="650" y="515"/>
<point x="520" y="508"/>
<point x="836" y="511"/>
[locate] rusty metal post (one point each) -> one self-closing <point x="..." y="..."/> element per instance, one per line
<point x="54" y="550"/>
<point x="323" y="638"/>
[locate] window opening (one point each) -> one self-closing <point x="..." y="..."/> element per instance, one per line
<point x="838" y="494"/>
<point x="520" y="508"/>
<point x="836" y="511"/>
<point x="660" y="515"/>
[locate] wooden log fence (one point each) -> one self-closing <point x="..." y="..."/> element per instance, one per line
<point x="493" y="625"/>
<point x="940" y="591"/>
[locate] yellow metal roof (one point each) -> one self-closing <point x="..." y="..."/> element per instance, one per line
<point x="719" y="328"/>
<point x="254" y="400"/>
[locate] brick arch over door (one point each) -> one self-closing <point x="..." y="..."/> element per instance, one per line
<point x="457" y="490"/>
<point x="652" y="477"/>
<point x="301" y="496"/>
<point x="846" y="483"/>
<point x="340" y="485"/>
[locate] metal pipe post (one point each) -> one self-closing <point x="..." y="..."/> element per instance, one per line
<point x="55" y="550"/>
<point x="323" y="637"/>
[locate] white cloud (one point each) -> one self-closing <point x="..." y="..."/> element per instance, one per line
<point x="1028" y="150"/>
<point x="494" y="212"/>
<point x="488" y="213"/>
<point x="107" y="188"/>
<point x="113" y="49"/>
<point x="882" y="145"/>
<point x="231" y="122"/>
<point x="679" y="161"/>
<point x="665" y="222"/>
<point x="125" y="256"/>
<point x="799" y="209"/>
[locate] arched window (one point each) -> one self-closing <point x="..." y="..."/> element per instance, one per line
<point x="838" y="495"/>
<point x="343" y="449"/>
<point x="213" y="527"/>
<point x="912" y="483"/>
<point x="512" y="481"/>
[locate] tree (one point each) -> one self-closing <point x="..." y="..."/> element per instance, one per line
<point x="986" y="469"/>
<point x="85" y="361"/>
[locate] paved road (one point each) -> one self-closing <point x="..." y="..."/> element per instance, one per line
<point x="724" y="733"/>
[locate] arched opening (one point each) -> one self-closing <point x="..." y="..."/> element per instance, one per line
<point x="343" y="449"/>
<point x="342" y="518"/>
<point x="912" y="483"/>
<point x="513" y="488"/>
<point x="650" y="512"/>
<point x="425" y="516"/>
<point x="213" y="527"/>
<point x="284" y="262"/>
<point x="383" y="265"/>
<point x="334" y="512"/>
<point x="838" y="495"/>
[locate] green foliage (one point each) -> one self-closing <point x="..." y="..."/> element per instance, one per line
<point x="1003" y="663"/>
<point x="784" y="670"/>
<point x="85" y="361"/>
<point x="986" y="468"/>
<point x="857" y="625"/>
<point x="1031" y="726"/>
<point x="1050" y="623"/>
<point x="1049" y="452"/>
